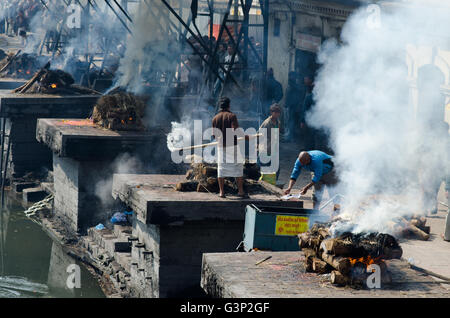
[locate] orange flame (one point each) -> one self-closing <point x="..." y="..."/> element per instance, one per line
<point x="368" y="260"/>
<point x="53" y="86"/>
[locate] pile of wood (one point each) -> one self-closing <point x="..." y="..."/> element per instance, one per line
<point x="120" y="110"/>
<point x="347" y="256"/>
<point x="413" y="227"/>
<point x="47" y="81"/>
<point x="202" y="177"/>
<point x="20" y="65"/>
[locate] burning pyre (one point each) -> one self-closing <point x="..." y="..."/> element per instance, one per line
<point x="47" y="81"/>
<point x="120" y="110"/>
<point x="348" y="256"/>
<point x="202" y="177"/>
<point x="20" y="65"/>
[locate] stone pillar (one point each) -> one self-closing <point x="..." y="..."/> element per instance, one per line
<point x="78" y="197"/>
<point x="26" y="154"/>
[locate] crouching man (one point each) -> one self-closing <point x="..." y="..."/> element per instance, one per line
<point x="322" y="170"/>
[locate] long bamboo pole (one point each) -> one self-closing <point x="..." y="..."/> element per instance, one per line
<point x="212" y="144"/>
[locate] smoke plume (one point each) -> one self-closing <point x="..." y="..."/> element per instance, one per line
<point x="378" y="96"/>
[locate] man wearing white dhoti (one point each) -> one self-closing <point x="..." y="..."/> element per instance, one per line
<point x="230" y="162"/>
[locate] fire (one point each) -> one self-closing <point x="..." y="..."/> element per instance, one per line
<point x="368" y="260"/>
<point x="28" y="72"/>
<point x="123" y="122"/>
<point x="53" y="86"/>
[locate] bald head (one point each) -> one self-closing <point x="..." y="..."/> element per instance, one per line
<point x="305" y="158"/>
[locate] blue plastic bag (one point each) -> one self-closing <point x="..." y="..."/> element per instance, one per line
<point x="100" y="227"/>
<point x="119" y="217"/>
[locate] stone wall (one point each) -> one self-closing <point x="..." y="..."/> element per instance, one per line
<point x="26" y="154"/>
<point x="76" y="202"/>
<point x="166" y="260"/>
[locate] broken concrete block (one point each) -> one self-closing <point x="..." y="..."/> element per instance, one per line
<point x="31" y="195"/>
<point x="18" y="187"/>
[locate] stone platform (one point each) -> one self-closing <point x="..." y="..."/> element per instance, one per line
<point x="173" y="229"/>
<point x="9" y="84"/>
<point x="236" y="275"/>
<point x="84" y="160"/>
<point x="47" y="106"/>
<point x="155" y="200"/>
<point x="22" y="112"/>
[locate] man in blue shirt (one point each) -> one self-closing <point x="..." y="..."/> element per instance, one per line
<point x="322" y="168"/>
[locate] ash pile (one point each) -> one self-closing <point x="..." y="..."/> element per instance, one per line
<point x="202" y="177"/>
<point x="19" y="65"/>
<point x="348" y="257"/>
<point x="54" y="82"/>
<point x="120" y="111"/>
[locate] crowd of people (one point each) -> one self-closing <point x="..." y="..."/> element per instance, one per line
<point x="264" y="90"/>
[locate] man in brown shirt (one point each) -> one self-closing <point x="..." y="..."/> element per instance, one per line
<point x="229" y="161"/>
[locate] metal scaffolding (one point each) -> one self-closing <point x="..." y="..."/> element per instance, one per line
<point x="235" y="18"/>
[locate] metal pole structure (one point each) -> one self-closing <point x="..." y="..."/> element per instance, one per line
<point x="6" y="170"/>
<point x="266" y="34"/>
<point x="118" y="17"/>
<point x="246" y="4"/>
<point x="197" y="39"/>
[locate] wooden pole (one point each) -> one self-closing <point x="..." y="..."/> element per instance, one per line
<point x="211" y="144"/>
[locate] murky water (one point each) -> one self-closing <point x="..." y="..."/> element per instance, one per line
<point x="31" y="264"/>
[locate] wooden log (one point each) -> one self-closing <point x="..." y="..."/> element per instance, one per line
<point x="418" y="232"/>
<point x="303" y="239"/>
<point x="324" y="233"/>
<point x="209" y="171"/>
<point x="314" y="242"/>
<point x="336" y="247"/>
<point x="342" y="264"/>
<point x="309" y="265"/>
<point x="186" y="186"/>
<point x="338" y="278"/>
<point x="426" y="229"/>
<point x="320" y="266"/>
<point x="10" y="60"/>
<point x="36" y="76"/>
<point x="309" y="252"/>
<point x="190" y="174"/>
<point x="418" y="222"/>
<point x="84" y="90"/>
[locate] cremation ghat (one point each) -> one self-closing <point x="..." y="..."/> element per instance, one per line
<point x="173" y="229"/>
<point x="22" y="112"/>
<point x="284" y="275"/>
<point x="83" y="157"/>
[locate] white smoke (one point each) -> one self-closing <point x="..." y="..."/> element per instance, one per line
<point x="385" y="147"/>
<point x="150" y="51"/>
<point x="123" y="164"/>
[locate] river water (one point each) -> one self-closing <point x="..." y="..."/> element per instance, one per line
<point x="32" y="265"/>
